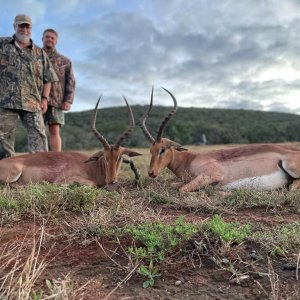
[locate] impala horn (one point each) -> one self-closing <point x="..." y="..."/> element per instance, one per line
<point x="98" y="134"/>
<point x="130" y="128"/>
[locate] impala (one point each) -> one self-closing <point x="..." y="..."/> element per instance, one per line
<point x="68" y="167"/>
<point x="259" y="167"/>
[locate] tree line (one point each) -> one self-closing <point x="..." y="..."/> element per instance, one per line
<point x="220" y="126"/>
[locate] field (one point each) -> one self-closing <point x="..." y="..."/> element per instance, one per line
<point x="147" y="241"/>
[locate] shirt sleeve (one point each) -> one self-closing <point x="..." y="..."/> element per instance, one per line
<point x="49" y="73"/>
<point x="70" y="84"/>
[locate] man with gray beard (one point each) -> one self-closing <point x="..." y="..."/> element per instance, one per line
<point x="26" y="75"/>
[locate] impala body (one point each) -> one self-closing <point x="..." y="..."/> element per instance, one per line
<point x="259" y="167"/>
<point x="68" y="167"/>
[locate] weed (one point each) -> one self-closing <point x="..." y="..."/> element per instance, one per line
<point x="232" y="232"/>
<point x="158" y="238"/>
<point x="150" y="272"/>
<point x="60" y="288"/>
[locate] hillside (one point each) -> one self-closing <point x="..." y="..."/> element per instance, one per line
<point x="221" y="126"/>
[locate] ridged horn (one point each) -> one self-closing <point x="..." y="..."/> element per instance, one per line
<point x="143" y="119"/>
<point x="167" y="118"/>
<point x="98" y="134"/>
<point x="130" y="128"/>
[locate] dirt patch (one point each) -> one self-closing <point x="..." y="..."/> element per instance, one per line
<point x="190" y="274"/>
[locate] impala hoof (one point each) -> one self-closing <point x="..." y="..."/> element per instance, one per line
<point x="151" y="174"/>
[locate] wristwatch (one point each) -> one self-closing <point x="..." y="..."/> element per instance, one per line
<point x="45" y="97"/>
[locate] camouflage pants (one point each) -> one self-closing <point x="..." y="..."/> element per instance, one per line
<point x="33" y="123"/>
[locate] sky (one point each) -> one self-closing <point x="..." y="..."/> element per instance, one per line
<point x="209" y="53"/>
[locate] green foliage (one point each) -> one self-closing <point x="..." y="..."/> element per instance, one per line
<point x="60" y="288"/>
<point x="221" y="126"/>
<point x="150" y="272"/>
<point x="46" y="197"/>
<point x="158" y="198"/>
<point x="158" y="239"/>
<point x="280" y="241"/>
<point x="232" y="232"/>
<point x="36" y="295"/>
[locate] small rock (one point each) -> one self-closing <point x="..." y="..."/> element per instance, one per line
<point x="224" y="261"/>
<point x="178" y="282"/>
<point x="254" y="256"/>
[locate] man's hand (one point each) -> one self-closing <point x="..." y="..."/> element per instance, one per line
<point x="66" y="106"/>
<point x="44" y="105"/>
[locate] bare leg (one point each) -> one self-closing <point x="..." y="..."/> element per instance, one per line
<point x="55" y="139"/>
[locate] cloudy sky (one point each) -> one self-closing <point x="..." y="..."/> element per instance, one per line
<point x="209" y="53"/>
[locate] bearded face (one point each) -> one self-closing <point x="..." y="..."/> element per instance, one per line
<point x="23" y="33"/>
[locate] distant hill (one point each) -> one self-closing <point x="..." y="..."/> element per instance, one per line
<point x="221" y="126"/>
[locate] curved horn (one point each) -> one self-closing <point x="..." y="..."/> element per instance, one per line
<point x="129" y="130"/>
<point x="167" y="118"/>
<point x="143" y="119"/>
<point x="97" y="134"/>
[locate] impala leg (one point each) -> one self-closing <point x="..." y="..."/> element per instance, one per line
<point x="14" y="174"/>
<point x="200" y="181"/>
<point x="177" y="185"/>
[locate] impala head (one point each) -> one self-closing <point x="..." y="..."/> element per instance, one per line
<point x="111" y="155"/>
<point x="161" y="149"/>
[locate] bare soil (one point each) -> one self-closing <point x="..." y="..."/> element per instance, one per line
<point x="190" y="276"/>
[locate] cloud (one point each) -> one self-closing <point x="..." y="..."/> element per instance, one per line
<point x="214" y="53"/>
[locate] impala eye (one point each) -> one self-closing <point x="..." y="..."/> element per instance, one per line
<point x="162" y="151"/>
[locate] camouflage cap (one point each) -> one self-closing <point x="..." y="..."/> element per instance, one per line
<point x="22" y="19"/>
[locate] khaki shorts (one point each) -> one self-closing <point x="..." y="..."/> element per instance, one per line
<point x="54" y="115"/>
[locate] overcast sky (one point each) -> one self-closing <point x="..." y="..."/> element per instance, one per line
<point x="213" y="53"/>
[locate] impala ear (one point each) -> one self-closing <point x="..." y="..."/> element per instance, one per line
<point x="131" y="153"/>
<point x="180" y="149"/>
<point x="172" y="144"/>
<point x="95" y="156"/>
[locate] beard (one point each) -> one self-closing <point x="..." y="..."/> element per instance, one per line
<point x="23" y="38"/>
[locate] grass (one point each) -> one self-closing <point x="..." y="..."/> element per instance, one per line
<point x="161" y="227"/>
<point x="158" y="239"/>
<point x="229" y="232"/>
<point x="281" y="240"/>
<point x="50" y="199"/>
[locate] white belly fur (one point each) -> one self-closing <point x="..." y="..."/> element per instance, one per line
<point x="261" y="183"/>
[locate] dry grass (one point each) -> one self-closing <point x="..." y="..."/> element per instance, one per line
<point x="86" y="213"/>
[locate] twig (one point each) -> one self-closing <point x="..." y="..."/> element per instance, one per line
<point x="128" y="276"/>
<point x="297" y="267"/>
<point x="102" y="248"/>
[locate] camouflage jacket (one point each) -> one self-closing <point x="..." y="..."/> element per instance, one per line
<point x="64" y="89"/>
<point x="23" y="72"/>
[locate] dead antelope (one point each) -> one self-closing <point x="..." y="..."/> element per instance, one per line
<point x="259" y="167"/>
<point x="68" y="167"/>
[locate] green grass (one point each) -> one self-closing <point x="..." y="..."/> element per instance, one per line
<point x="231" y="232"/>
<point x="45" y="199"/>
<point x="158" y="239"/>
